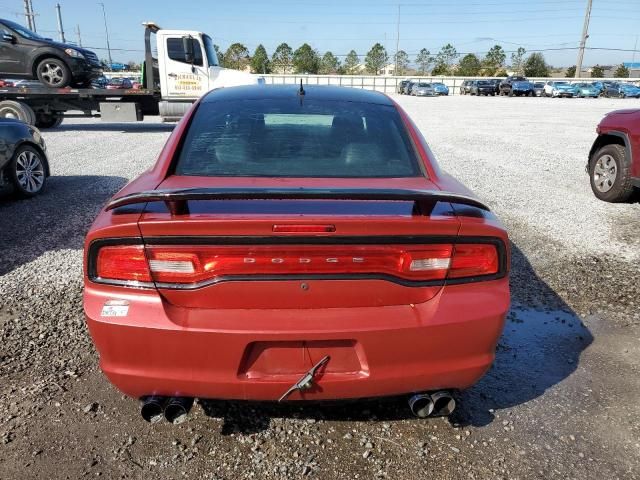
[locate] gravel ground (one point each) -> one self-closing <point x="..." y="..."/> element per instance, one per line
<point x="560" y="402"/>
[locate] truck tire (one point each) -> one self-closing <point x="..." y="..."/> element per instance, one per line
<point x="18" y="110"/>
<point x="48" y="120"/>
<point x="53" y="73"/>
<point x="27" y="171"/>
<point x="610" y="174"/>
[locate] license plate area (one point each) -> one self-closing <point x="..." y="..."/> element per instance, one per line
<point x="292" y="359"/>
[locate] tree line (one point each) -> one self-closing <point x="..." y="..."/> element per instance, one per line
<point x="306" y="59"/>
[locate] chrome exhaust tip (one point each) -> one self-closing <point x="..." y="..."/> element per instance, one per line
<point x="177" y="409"/>
<point x="152" y="408"/>
<point x="443" y="403"/>
<point x="421" y="405"/>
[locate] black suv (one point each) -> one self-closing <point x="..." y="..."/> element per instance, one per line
<point x="25" y="54"/>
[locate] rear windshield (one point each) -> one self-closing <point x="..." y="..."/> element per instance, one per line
<point x="296" y="138"/>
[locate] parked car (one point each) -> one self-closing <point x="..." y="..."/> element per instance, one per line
<point x="465" y="87"/>
<point x="496" y="84"/>
<point x="23" y="157"/>
<point x="482" y="87"/>
<point x="408" y="87"/>
<point x="598" y="86"/>
<point x="119" y="84"/>
<point x="401" y="86"/>
<point x="423" y="89"/>
<point x="559" y="89"/>
<point x="440" y="88"/>
<point x="28" y="84"/>
<point x="614" y="158"/>
<point x="6" y="83"/>
<point x="25" y="54"/>
<point x="515" y="85"/>
<point x="100" y="82"/>
<point x="586" y="90"/>
<point x="621" y="90"/>
<point x="538" y="89"/>
<point x="273" y="258"/>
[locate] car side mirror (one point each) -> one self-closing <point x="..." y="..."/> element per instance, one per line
<point x="187" y="45"/>
<point x="7" y="37"/>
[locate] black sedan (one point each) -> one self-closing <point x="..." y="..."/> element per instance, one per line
<point x="23" y="159"/>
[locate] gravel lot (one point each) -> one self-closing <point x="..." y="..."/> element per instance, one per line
<point x="560" y="402"/>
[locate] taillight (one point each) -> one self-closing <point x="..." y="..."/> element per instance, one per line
<point x="197" y="264"/>
<point x="124" y="263"/>
<point x="194" y="265"/>
<point x="473" y="260"/>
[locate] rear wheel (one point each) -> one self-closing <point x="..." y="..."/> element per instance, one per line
<point x="53" y="73"/>
<point x="27" y="171"/>
<point x="18" y="110"/>
<point x="610" y="174"/>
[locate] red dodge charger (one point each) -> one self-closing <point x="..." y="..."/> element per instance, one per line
<point x="295" y="244"/>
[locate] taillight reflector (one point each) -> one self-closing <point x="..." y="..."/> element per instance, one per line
<point x="127" y="262"/>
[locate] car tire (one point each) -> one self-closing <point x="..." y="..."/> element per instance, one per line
<point x="510" y="93"/>
<point x="610" y="174"/>
<point x="53" y="73"/>
<point x="48" y="120"/>
<point x="18" y="110"/>
<point x="27" y="171"/>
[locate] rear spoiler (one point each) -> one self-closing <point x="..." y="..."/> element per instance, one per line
<point x="176" y="199"/>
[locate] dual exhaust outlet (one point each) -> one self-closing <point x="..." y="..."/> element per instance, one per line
<point x="175" y="409"/>
<point x="172" y="409"/>
<point x="436" y="404"/>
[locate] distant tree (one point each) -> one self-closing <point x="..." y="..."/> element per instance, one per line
<point x="306" y="59"/>
<point x="517" y="61"/>
<point x="571" y="72"/>
<point x="260" y="61"/>
<point x="493" y="60"/>
<point x="424" y="61"/>
<point x="351" y="62"/>
<point x="536" y="66"/>
<point x="469" y="66"/>
<point x="445" y="57"/>
<point x="376" y="59"/>
<point x="236" y="56"/>
<point x="132" y="66"/>
<point x="597" y="72"/>
<point x="501" y="72"/>
<point x="401" y="59"/>
<point x="329" y="64"/>
<point x="282" y="58"/>
<point x="621" y="72"/>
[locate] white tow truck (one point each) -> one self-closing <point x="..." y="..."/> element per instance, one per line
<point x="181" y="68"/>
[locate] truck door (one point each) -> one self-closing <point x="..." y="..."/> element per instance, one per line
<point x="183" y="66"/>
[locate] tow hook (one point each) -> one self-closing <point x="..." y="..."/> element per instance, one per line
<point x="307" y="380"/>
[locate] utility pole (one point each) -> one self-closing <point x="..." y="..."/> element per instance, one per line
<point x="395" y="70"/>
<point x="60" y="28"/>
<point x="635" y="47"/>
<point x="78" y="34"/>
<point x="33" y="17"/>
<point x="27" y="14"/>
<point x="104" y="15"/>
<point x="583" y="40"/>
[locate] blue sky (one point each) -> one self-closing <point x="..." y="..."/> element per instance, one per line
<point x="342" y="25"/>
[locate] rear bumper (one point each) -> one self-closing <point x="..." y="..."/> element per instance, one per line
<point x="445" y="343"/>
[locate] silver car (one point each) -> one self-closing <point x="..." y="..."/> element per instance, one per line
<point x="423" y="89"/>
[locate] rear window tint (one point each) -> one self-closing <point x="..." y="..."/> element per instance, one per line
<point x="296" y="138"/>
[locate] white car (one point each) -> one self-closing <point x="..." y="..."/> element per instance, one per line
<point x="558" y="89"/>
